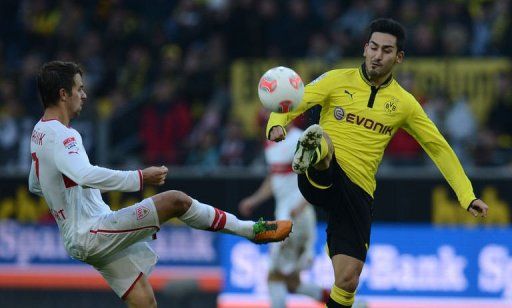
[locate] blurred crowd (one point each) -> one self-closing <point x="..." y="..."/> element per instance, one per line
<point x="157" y="73"/>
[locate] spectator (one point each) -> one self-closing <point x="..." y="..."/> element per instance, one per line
<point x="299" y="26"/>
<point x="10" y="133"/>
<point x="233" y="147"/>
<point x="205" y="154"/>
<point x="461" y="128"/>
<point x="499" y="122"/>
<point x="127" y="47"/>
<point x="165" y="124"/>
<point x="272" y="28"/>
<point x="134" y="75"/>
<point x="403" y="150"/>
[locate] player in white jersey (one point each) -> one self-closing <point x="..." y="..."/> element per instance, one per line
<point x="114" y="242"/>
<point x="288" y="258"/>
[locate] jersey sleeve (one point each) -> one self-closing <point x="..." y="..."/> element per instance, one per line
<point x="33" y="182"/>
<point x="72" y="161"/>
<point x="426" y="133"/>
<point x="315" y="93"/>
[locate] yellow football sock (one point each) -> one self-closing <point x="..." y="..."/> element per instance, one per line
<point x="341" y="296"/>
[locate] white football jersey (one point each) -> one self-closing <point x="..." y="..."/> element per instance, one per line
<point x="279" y="157"/>
<point x="62" y="174"/>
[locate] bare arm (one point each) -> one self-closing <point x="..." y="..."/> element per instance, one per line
<point x="263" y="193"/>
<point x="302" y="205"/>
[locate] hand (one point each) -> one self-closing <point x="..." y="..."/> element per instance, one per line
<point x="299" y="208"/>
<point x="276" y="134"/>
<point x="154" y="175"/>
<point x="478" y="207"/>
<point x="296" y="211"/>
<point x="306" y="259"/>
<point x="246" y="206"/>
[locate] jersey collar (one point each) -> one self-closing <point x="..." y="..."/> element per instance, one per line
<point x="364" y="76"/>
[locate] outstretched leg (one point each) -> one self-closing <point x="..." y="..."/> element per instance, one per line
<point x="202" y="216"/>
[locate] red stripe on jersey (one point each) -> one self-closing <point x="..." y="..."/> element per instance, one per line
<point x="269" y="143"/>
<point x="141" y="180"/>
<point x="36" y="163"/>
<point x="68" y="182"/>
<point x="281" y="168"/>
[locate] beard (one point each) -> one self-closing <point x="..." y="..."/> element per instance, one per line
<point x="377" y="73"/>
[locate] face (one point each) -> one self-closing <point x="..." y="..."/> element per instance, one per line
<point x="75" y="102"/>
<point x="381" y="54"/>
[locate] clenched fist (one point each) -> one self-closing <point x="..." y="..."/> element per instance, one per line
<point x="276" y="134"/>
<point x="478" y="208"/>
<point x="154" y="175"/>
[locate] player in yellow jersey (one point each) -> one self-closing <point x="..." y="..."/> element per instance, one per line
<point x="362" y="108"/>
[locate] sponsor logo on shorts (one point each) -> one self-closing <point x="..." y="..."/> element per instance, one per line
<point x="142" y="212"/>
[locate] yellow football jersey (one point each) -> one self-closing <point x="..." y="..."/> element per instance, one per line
<point x="361" y="120"/>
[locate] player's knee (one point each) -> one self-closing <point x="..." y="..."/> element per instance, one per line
<point x="347" y="281"/>
<point x="292" y="283"/>
<point x="142" y="300"/>
<point x="275" y="276"/>
<point x="149" y="301"/>
<point x="179" y="201"/>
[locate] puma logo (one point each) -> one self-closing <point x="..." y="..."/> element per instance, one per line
<point x="351" y="94"/>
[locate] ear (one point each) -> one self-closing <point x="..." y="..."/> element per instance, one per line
<point x="364" y="49"/>
<point x="63" y="94"/>
<point x="400" y="57"/>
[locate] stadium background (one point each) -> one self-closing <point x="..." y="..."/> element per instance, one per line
<point x="174" y="83"/>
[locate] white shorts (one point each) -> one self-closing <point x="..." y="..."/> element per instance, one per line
<point x="289" y="256"/>
<point x="117" y="245"/>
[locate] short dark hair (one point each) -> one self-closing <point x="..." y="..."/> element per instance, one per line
<point x="390" y="26"/>
<point x="52" y="77"/>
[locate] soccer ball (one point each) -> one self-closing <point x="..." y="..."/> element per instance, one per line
<point x="280" y="89"/>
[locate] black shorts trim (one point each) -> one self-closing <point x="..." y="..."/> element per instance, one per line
<point x="349" y="209"/>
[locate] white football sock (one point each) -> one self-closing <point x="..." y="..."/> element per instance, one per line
<point x="205" y="217"/>
<point x="311" y="290"/>
<point x="277" y="292"/>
